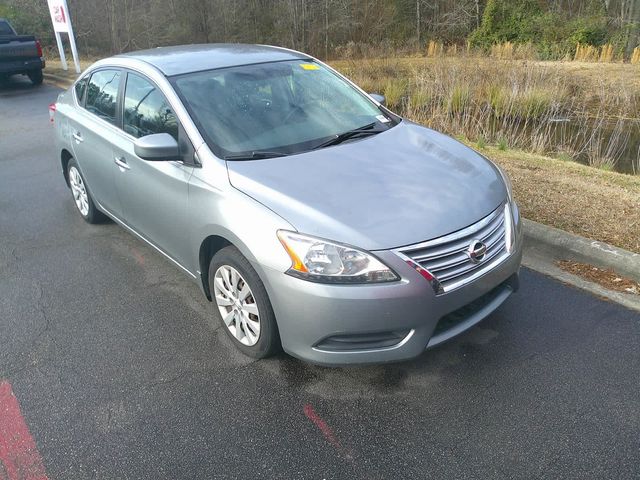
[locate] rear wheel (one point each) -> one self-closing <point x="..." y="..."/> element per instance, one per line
<point x="242" y="304"/>
<point x="35" y="76"/>
<point x="81" y="196"/>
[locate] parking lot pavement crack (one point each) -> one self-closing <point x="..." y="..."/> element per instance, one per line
<point x="43" y="312"/>
<point x="14" y="255"/>
<point x="9" y="373"/>
<point x="179" y="377"/>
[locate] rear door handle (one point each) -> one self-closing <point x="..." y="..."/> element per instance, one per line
<point x="77" y="137"/>
<point x="122" y="163"/>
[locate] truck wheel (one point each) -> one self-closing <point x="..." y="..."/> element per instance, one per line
<point x="35" y="76"/>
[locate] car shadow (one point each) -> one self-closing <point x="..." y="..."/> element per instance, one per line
<point x="466" y="355"/>
<point x="17" y="83"/>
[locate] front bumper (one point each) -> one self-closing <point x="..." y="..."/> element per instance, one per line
<point x="360" y="324"/>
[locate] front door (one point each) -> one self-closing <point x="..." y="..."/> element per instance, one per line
<point x="154" y="194"/>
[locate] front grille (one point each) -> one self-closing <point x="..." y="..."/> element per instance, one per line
<point x="447" y="258"/>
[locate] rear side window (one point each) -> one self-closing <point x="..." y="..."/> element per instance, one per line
<point x="102" y="94"/>
<point x="80" y="87"/>
<point x="146" y="110"/>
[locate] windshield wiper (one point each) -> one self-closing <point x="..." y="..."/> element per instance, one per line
<point x="336" y="139"/>
<point x="255" y="155"/>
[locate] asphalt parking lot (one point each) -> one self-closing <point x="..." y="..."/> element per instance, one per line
<point x="120" y="371"/>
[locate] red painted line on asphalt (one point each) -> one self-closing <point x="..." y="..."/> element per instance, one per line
<point x="138" y="256"/>
<point x="322" y="425"/>
<point x="19" y="456"/>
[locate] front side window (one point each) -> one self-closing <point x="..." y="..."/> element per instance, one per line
<point x="146" y="110"/>
<point x="280" y="107"/>
<point x="102" y="94"/>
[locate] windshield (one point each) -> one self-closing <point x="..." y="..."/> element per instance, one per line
<point x="281" y="107"/>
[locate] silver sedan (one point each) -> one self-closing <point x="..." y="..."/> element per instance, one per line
<point x="313" y="218"/>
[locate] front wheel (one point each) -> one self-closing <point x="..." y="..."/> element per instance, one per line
<point x="35" y="76"/>
<point x="242" y="304"/>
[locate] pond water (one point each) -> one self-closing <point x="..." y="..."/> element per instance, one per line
<point x="616" y="142"/>
<point x="609" y="143"/>
<point x="600" y="142"/>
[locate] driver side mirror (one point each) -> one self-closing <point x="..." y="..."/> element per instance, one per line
<point x="157" y="148"/>
<point x="378" y="98"/>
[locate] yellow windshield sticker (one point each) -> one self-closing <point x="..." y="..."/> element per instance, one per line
<point x="309" y="66"/>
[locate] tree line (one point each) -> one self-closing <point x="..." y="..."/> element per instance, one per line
<point x="329" y="28"/>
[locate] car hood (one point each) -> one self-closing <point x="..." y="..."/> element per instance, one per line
<point x="403" y="186"/>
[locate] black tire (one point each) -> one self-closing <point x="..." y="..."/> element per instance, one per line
<point x="35" y="76"/>
<point x="93" y="215"/>
<point x="268" y="342"/>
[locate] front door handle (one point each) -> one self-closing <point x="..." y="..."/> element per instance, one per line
<point x="77" y="137"/>
<point x="122" y="163"/>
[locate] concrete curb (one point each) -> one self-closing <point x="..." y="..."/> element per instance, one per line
<point x="574" y="247"/>
<point x="545" y="245"/>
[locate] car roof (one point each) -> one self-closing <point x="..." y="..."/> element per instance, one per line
<point x="194" y="58"/>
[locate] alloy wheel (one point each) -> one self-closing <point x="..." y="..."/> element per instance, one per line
<point x="237" y="305"/>
<point x="79" y="191"/>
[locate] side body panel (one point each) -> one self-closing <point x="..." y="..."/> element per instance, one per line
<point x="91" y="143"/>
<point x="218" y="209"/>
<point x="154" y="198"/>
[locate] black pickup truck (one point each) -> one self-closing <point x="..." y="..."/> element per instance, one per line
<point x="20" y="54"/>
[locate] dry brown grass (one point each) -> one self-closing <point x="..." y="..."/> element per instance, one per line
<point x="434" y="49"/>
<point x="519" y="104"/>
<point x="589" y="53"/>
<point x="602" y="276"/>
<point x="503" y="51"/>
<point x="54" y="66"/>
<point x="596" y="204"/>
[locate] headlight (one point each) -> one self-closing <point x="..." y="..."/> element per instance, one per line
<point x="320" y="260"/>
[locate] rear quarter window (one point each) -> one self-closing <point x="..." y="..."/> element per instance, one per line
<point x="80" y="88"/>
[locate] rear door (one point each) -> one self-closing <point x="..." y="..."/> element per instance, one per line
<point x="154" y="194"/>
<point x="92" y="131"/>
